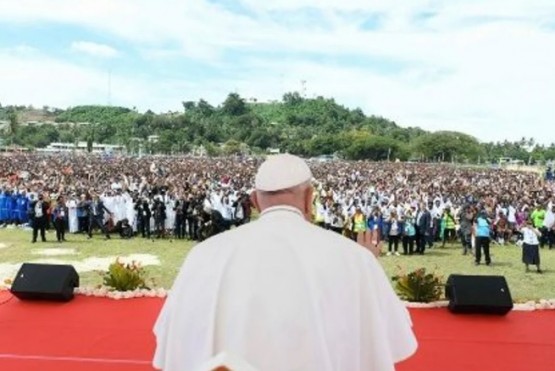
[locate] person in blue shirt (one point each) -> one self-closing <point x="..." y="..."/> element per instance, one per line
<point x="549" y="174"/>
<point x="482" y="231"/>
<point x="409" y="233"/>
<point x="4" y="198"/>
<point x="22" y="216"/>
<point x="375" y="225"/>
<point x="12" y="207"/>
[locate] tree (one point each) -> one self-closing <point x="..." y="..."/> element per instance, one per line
<point x="212" y="150"/>
<point x="292" y="99"/>
<point x="326" y="144"/>
<point x="232" y="147"/>
<point x="234" y="105"/>
<point x="448" y="146"/>
<point x="188" y="106"/>
<point x="205" y="108"/>
<point x="261" y="138"/>
<point x="375" y="148"/>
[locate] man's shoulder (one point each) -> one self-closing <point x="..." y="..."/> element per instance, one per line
<point x="257" y="231"/>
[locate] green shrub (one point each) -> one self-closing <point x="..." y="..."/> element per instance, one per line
<point x="419" y="286"/>
<point x="125" y="277"/>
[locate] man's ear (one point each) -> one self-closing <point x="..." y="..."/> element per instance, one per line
<point x="254" y="201"/>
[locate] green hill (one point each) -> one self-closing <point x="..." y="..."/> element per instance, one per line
<point x="308" y="127"/>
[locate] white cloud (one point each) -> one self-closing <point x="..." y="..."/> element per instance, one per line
<point x="483" y="67"/>
<point x="94" y="49"/>
<point x="42" y="80"/>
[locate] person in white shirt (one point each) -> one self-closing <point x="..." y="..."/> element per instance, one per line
<point x="226" y="209"/>
<point x="283" y="294"/>
<point x="337" y="219"/>
<point x="530" y="245"/>
<point x="511" y="218"/>
<point x="328" y="215"/>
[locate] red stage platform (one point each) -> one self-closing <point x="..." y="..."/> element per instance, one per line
<point x="104" y="334"/>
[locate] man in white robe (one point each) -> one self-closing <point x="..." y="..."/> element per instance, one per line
<point x="72" y="214"/>
<point x="130" y="212"/>
<point x="119" y="207"/>
<point x="282" y="294"/>
<point x="170" y="213"/>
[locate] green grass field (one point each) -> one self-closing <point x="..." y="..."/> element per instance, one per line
<point x="167" y="257"/>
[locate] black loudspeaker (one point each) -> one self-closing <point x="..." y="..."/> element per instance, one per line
<point x="478" y="294"/>
<point x="45" y="282"/>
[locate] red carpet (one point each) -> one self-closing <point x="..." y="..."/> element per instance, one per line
<point x="104" y="334"/>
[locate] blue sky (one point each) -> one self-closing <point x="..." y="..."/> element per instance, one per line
<point x="483" y="67"/>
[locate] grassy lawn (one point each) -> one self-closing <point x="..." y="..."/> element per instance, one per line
<point x="15" y="247"/>
<point x="169" y="254"/>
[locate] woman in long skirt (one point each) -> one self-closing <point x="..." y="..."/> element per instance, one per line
<point x="374" y="227"/>
<point x="530" y="246"/>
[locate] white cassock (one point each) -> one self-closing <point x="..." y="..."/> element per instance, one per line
<point x="170" y="213"/>
<point x="283" y="294"/>
<point x="130" y="211"/>
<point x="72" y="216"/>
<point x="119" y="208"/>
<point x="109" y="204"/>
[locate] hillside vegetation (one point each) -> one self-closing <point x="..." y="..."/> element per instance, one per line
<point x="308" y="127"/>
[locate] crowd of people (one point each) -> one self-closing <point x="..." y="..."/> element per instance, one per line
<point x="407" y="207"/>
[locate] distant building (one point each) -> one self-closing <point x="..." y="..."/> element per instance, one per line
<point x="82" y="147"/>
<point x="507" y="161"/>
<point x="274" y="151"/>
<point x="13" y="148"/>
<point x="153" y="138"/>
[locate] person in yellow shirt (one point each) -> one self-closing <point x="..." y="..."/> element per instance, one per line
<point x="450" y="226"/>
<point x="359" y="225"/>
